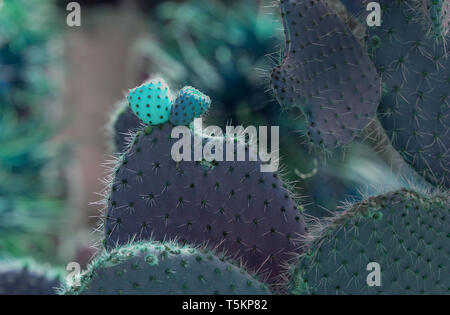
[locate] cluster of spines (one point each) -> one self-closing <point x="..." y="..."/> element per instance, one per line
<point x="438" y="12"/>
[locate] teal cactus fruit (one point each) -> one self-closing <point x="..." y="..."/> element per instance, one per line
<point x="189" y="104"/>
<point x="406" y="233"/>
<point x="27" y="278"/>
<point x="152" y="268"/>
<point x="326" y="73"/>
<point x="414" y="109"/>
<point x="151" y="102"/>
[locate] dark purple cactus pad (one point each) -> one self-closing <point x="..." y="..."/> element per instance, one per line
<point x="230" y="206"/>
<point x="326" y="73"/>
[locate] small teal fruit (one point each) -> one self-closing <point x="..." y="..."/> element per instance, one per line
<point x="189" y="104"/>
<point x="151" y="102"/>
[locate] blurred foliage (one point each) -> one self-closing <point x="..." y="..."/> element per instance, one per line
<point x="29" y="200"/>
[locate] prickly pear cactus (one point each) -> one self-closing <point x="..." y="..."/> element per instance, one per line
<point x="154" y="268"/>
<point x="326" y="73"/>
<point x="151" y="102"/>
<point x="414" y="109"/>
<point x="230" y="206"/>
<point x="190" y="103"/>
<point x="406" y="233"/>
<point x="26" y="278"/>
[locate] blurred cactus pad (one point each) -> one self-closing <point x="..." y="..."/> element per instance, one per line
<point x="25" y="277"/>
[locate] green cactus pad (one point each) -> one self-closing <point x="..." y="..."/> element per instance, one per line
<point x="189" y="104"/>
<point x="406" y="233"/>
<point x="153" y="268"/>
<point x="151" y="102"/>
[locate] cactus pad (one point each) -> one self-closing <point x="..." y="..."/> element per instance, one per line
<point x="230" y="206"/>
<point x="154" y="268"/>
<point x="415" y="108"/>
<point x="326" y="73"/>
<point x="406" y="233"/>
